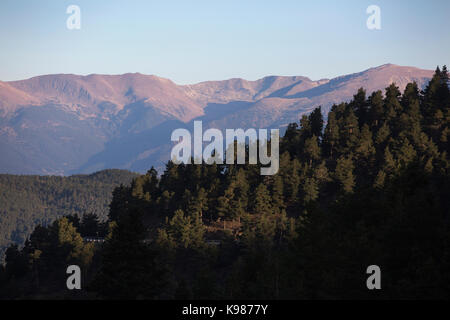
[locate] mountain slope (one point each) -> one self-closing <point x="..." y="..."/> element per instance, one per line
<point x="60" y="124"/>
<point x="243" y="90"/>
<point x="103" y="94"/>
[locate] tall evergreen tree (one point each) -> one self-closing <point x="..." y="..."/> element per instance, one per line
<point x="316" y="122"/>
<point x="262" y="200"/>
<point x="344" y="174"/>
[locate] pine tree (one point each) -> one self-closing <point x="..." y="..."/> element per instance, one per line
<point x="242" y="188"/>
<point x="305" y="127"/>
<point x="291" y="180"/>
<point x="365" y="148"/>
<point x="277" y="194"/>
<point x="198" y="205"/>
<point x="380" y="179"/>
<point x="129" y="267"/>
<point x="349" y="131"/>
<point x="376" y="110"/>
<point x="331" y="136"/>
<point x="316" y="122"/>
<point x="361" y="106"/>
<point x="312" y="150"/>
<point x="344" y="174"/>
<point x="389" y="163"/>
<point x="382" y="135"/>
<point x="410" y="100"/>
<point x="436" y="102"/>
<point x="404" y="151"/>
<point x="262" y="200"/>
<point x="321" y="174"/>
<point x="186" y="231"/>
<point x="70" y="245"/>
<point x="119" y="203"/>
<point x="310" y="190"/>
<point x="90" y="225"/>
<point x="392" y="102"/>
<point x="224" y="202"/>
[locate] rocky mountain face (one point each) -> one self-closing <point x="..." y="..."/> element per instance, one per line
<point x="65" y="124"/>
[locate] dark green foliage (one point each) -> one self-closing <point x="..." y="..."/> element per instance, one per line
<point x="39" y="267"/>
<point x="369" y="188"/>
<point x="26" y="201"/>
<point x="128" y="269"/>
<point x="261" y="200"/>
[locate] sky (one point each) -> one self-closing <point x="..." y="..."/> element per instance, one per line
<point x="192" y="41"/>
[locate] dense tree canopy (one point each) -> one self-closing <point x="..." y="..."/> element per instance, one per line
<point x="371" y="187"/>
<point x="26" y="201"/>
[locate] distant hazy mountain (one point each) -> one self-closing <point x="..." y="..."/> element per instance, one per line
<point x="63" y="124"/>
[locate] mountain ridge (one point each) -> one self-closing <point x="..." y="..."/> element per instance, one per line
<point x="67" y="124"/>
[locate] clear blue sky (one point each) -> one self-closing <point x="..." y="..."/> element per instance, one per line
<point x="190" y="41"/>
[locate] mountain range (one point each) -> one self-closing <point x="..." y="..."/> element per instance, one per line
<point x="65" y="124"/>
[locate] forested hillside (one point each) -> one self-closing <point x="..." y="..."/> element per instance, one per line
<point x="26" y="201"/>
<point x="369" y="188"/>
